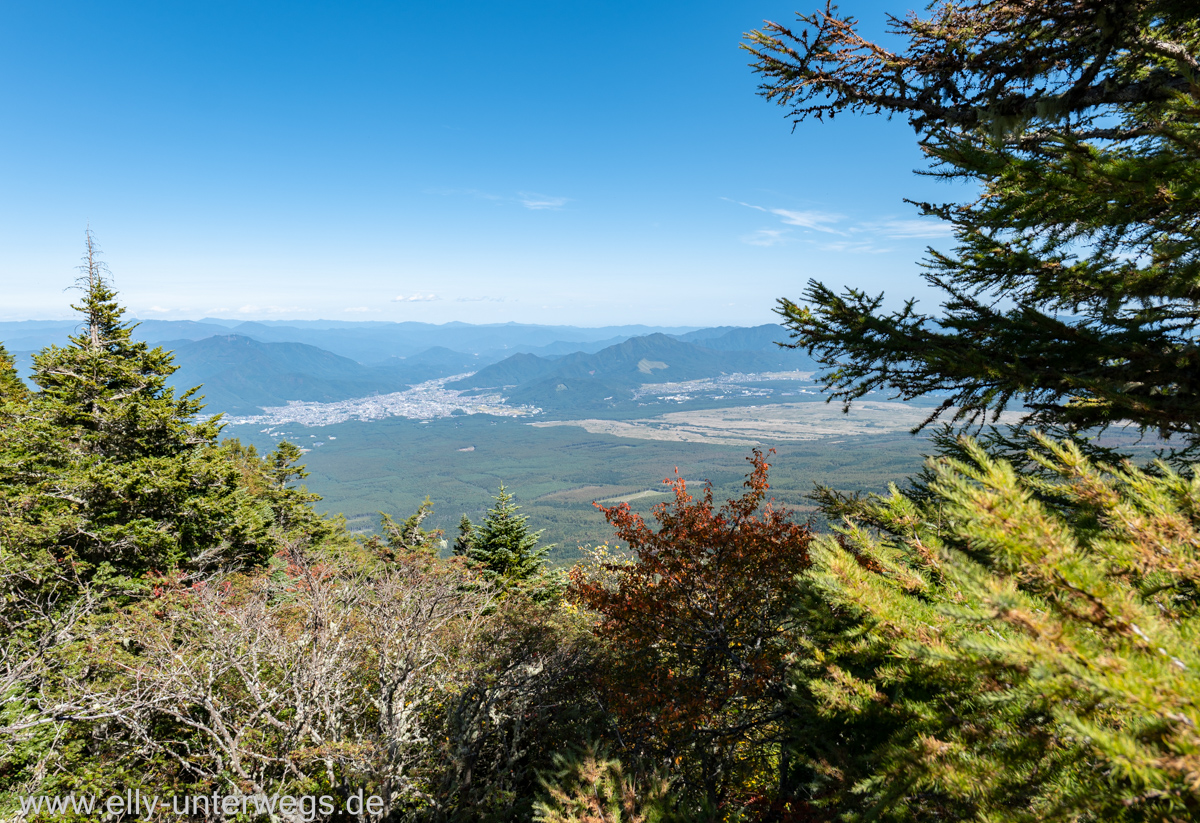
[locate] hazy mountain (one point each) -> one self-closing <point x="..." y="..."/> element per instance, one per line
<point x="443" y="358"/>
<point x="34" y="335"/>
<point x="376" y="342"/>
<point x="562" y="347"/>
<point x="363" y="341"/>
<point x="703" y="334"/>
<point x="257" y="364"/>
<point x="240" y="375"/>
<point x="159" y="331"/>
<point x="511" y="371"/>
<point x="584" y="380"/>
<point x="438" y="361"/>
<point x="753" y="338"/>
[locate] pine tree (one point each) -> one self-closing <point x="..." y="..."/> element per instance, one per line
<point x="505" y="548"/>
<point x="466" y="537"/>
<point x="12" y="389"/>
<point x="270" y="481"/>
<point x="1073" y="285"/>
<point x="407" y="538"/>
<point x="104" y="466"/>
<point x="1018" y="643"/>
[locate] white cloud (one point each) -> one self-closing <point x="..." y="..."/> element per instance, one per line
<point x="416" y="297"/>
<point x="766" y="237"/>
<point x="856" y="233"/>
<point x="810" y="219"/>
<point x="854" y="247"/>
<point x="815" y="220"/>
<point x="159" y="309"/>
<point x="531" y="200"/>
<point x="908" y="228"/>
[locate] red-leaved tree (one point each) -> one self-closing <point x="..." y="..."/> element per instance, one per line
<point x="698" y="620"/>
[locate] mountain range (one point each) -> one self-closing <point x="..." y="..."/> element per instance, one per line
<point x="607" y="378"/>
<point x="365" y="342"/>
<point x="243" y="367"/>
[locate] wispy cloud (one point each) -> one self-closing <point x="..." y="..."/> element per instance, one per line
<point x="415" y="298"/>
<point x="901" y="229"/>
<point x="859" y="236"/>
<point x="529" y="199"/>
<point x="815" y="220"/>
<point x="538" y="202"/>
<point x="159" y="309"/>
<point x="853" y="247"/>
<point x="766" y="237"/>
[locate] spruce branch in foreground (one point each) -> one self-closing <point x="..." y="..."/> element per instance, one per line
<point x="1071" y="290"/>
<point x="1016" y="648"/>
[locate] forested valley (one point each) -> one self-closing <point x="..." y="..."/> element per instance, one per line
<point x="1010" y="633"/>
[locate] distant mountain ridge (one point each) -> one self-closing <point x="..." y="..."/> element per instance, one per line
<point x="584" y="380"/>
<point x="741" y="338"/>
<point x="240" y="375"/>
<point x="241" y="371"/>
<point x="364" y="341"/>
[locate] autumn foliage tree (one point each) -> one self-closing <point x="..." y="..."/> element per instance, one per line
<point x="699" y="622"/>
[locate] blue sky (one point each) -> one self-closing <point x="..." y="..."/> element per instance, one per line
<point x="543" y="162"/>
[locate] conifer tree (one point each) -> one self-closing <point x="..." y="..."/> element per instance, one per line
<point x="112" y="488"/>
<point x="1072" y="288"/>
<point x="1017" y="644"/>
<point x="12" y="389"/>
<point x="104" y="465"/>
<point x="466" y="536"/>
<point x="407" y="538"/>
<point x="1014" y="659"/>
<point x="504" y="546"/>
<point x="270" y="480"/>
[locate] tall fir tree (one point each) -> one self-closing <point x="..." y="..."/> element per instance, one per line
<point x="1072" y="289"/>
<point x="12" y="388"/>
<point x="107" y="466"/>
<point x="503" y="545"/>
<point x="1017" y="644"/>
<point x="103" y="466"/>
<point x="466" y="536"/>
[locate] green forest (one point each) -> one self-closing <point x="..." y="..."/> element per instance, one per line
<point x="1008" y="631"/>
